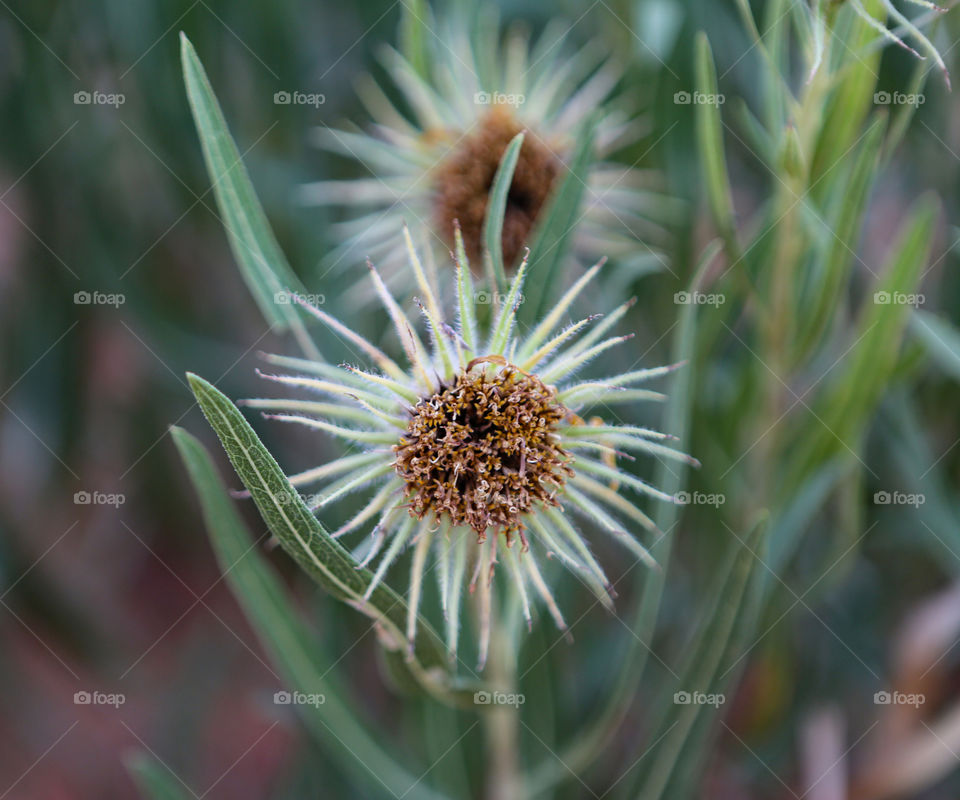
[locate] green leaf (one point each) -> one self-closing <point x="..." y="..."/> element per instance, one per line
<point x="832" y="271"/>
<point x="154" y="780"/>
<point x="771" y="46"/>
<point x="694" y="753"/>
<point x="849" y="101"/>
<point x="710" y="144"/>
<point x="792" y="520"/>
<point x="292" y="646"/>
<point x="758" y="139"/>
<point x="904" y="113"/>
<point x="496" y="208"/>
<point x="558" y="221"/>
<point x="732" y="612"/>
<point x="941" y="339"/>
<point x="917" y="466"/>
<point x="322" y="557"/>
<point x="845" y="407"/>
<point x="774" y="49"/>
<point x="413" y="34"/>
<point x="262" y="263"/>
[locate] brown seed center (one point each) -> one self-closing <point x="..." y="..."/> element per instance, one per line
<point x="483" y="450"/>
<point x="462" y="183"/>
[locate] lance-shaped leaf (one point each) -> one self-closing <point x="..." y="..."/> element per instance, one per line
<point x="262" y="263"/>
<point x="845" y="407"/>
<point x="909" y="448"/>
<point x="303" y="537"/>
<point x="689" y="766"/>
<point x="496" y="208"/>
<point x="732" y="612"/>
<point x="833" y="268"/>
<point x="292" y="646"/>
<point x="414" y="32"/>
<point x="941" y="339"/>
<point x="558" y="221"/>
<point x="154" y="780"/>
<point x="710" y="144"/>
<point x="848" y="102"/>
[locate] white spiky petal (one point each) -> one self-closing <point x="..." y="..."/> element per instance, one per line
<point x="371" y="409"/>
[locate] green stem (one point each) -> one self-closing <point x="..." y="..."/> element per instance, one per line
<point x="780" y="324"/>
<point x="502" y="720"/>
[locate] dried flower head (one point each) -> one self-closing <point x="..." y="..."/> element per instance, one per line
<point x="484" y="450"/>
<point x="461" y="185"/>
<point x="476" y="450"/>
<point x="436" y="163"/>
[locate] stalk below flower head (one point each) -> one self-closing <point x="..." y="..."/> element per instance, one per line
<point x="474" y="451"/>
<point x="436" y="164"/>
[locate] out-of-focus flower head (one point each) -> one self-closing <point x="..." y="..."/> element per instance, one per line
<point x="430" y="159"/>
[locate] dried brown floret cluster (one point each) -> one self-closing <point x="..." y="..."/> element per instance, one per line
<point x="484" y="450"/>
<point x="462" y="182"/>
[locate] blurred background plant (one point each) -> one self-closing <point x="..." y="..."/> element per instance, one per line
<point x="813" y="396"/>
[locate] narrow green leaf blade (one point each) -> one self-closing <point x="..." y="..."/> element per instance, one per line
<point x="553" y="234"/>
<point x="693" y="754"/>
<point x="909" y="448"/>
<point x="414" y="30"/>
<point x="322" y="557"/>
<point x="793" y="519"/>
<point x="707" y="654"/>
<point x="292" y="646"/>
<point x="848" y="103"/>
<point x="154" y="780"/>
<point x="496" y="208"/>
<point x="262" y="263"/>
<point x="709" y="128"/>
<point x="941" y="338"/>
<point x="835" y="268"/>
<point x="846" y="406"/>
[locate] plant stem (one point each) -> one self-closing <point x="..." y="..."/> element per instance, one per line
<point x="502" y="720"/>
